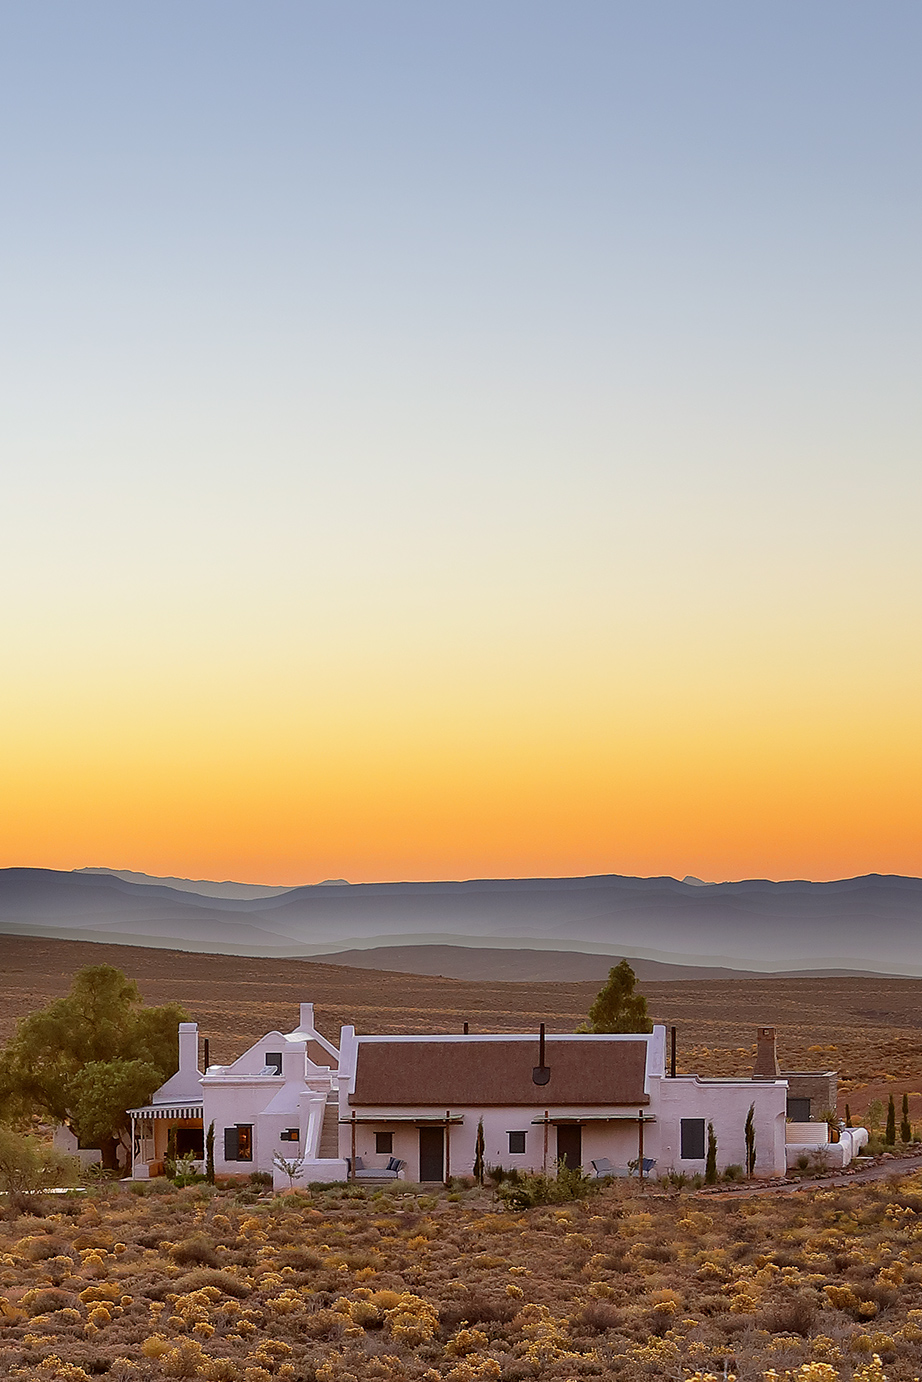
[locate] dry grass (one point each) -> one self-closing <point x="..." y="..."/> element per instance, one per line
<point x="868" y="1029"/>
<point x="356" y="1284"/>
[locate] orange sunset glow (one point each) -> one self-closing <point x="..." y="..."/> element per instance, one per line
<point x="419" y="465"/>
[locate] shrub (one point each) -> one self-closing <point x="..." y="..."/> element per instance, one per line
<point x="28" y="1166"/>
<point x="197" y="1249"/>
<point x="794" y="1316"/>
<point x="204" y="1277"/>
<point x="599" y="1316"/>
<point x="536" y="1187"/>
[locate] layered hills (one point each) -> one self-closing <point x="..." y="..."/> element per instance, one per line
<point x="867" y="924"/>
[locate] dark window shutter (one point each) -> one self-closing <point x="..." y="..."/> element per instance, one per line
<point x="692" y="1131"/>
<point x="230" y="1144"/>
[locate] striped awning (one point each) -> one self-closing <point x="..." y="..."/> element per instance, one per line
<point x="167" y="1111"/>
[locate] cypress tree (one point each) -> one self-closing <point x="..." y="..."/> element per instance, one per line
<point x="905" y="1126"/>
<point x="209" y="1153"/>
<point x="478" y="1154"/>
<point x="848" y="1116"/>
<point x="750" y="1131"/>
<point x="890" y="1134"/>
<point x="710" y="1166"/>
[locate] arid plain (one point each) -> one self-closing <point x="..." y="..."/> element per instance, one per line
<point x="869" y="1029"/>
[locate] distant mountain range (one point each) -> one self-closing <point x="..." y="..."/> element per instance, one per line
<point x="871" y="924"/>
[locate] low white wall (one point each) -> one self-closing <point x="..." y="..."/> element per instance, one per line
<point x="65" y="1141"/>
<point x="326" y="1170"/>
<point x="835" y="1155"/>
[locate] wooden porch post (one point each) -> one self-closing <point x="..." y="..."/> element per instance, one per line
<point x="640" y="1145"/>
<point x="447" y="1146"/>
<point x="352" y="1162"/>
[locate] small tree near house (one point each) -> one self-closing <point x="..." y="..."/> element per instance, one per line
<point x="905" y="1125"/>
<point x="710" y="1165"/>
<point x="890" y="1134"/>
<point x="617" y="1008"/>
<point x="291" y="1169"/>
<point x="750" y="1132"/>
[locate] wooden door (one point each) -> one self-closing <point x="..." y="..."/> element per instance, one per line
<point x="570" y="1145"/>
<point x="432" y="1154"/>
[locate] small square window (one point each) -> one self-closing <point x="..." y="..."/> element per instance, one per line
<point x="517" y="1143"/>
<point x="291" y="1135"/>
<point x="384" y="1143"/>
<point x="274" y="1061"/>
<point x="692" y="1133"/>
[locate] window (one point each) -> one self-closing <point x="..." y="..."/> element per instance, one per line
<point x="799" y="1110"/>
<point x="238" y="1142"/>
<point x="384" y="1143"/>
<point x="692" y="1130"/>
<point x="290" y="1135"/>
<point x="517" y="1142"/>
<point x="190" y="1142"/>
<point x="274" y="1061"/>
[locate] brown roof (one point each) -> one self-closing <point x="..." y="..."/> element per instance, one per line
<point x="489" y="1073"/>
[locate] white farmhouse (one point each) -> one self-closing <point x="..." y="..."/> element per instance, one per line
<point x="410" y="1106"/>
<point x="604" y="1099"/>
<point x="278" y="1098"/>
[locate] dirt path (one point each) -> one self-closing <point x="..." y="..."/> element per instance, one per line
<point x="900" y="1166"/>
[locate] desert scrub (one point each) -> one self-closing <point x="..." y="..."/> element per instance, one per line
<point x="625" y="1285"/>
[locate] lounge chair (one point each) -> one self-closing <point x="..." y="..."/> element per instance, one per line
<point x="602" y="1167"/>
<point x="389" y="1172"/>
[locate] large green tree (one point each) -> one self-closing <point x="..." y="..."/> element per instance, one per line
<point x="617" y="1007"/>
<point x="85" y="1058"/>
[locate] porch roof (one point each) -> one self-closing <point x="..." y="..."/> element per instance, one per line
<point x="421" y="1118"/>
<point x="167" y="1111"/>
<point x="555" y="1118"/>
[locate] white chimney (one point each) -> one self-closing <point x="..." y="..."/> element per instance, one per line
<point x="293" y="1066"/>
<point x="306" y="1023"/>
<point x="188" y="1046"/>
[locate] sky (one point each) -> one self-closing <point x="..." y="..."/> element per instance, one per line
<point x="459" y="440"/>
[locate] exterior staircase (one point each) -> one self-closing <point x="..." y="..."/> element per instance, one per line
<point x="329" y="1130"/>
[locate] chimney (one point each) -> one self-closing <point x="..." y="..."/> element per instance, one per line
<point x="293" y="1067"/>
<point x="188" y="1046"/>
<point x="306" y="1022"/>
<point x="766" y="1066"/>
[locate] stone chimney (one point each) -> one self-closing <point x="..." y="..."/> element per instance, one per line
<point x="766" y="1066"/>
<point x="188" y="1046"/>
